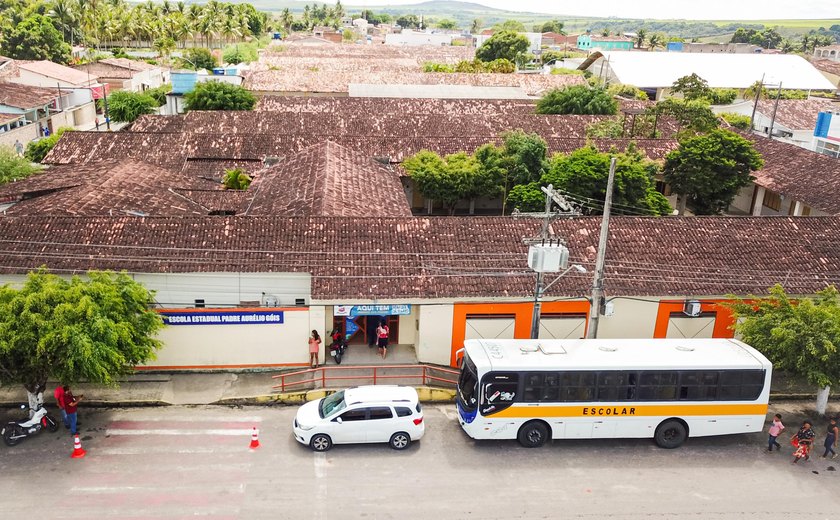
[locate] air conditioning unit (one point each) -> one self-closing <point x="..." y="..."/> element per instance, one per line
<point x="692" y="308"/>
<point x="269" y="300"/>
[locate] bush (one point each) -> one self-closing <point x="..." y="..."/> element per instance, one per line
<point x="159" y="93"/>
<point x="125" y="106"/>
<point x="578" y="99"/>
<point x="240" y="53"/>
<point x="722" y="96"/>
<point x="628" y="92"/>
<point x="560" y="71"/>
<point x="37" y="150"/>
<point x="218" y="95"/>
<point x="607" y="129"/>
<point x="500" y="66"/>
<point x="739" y="121"/>
<point x="13" y="167"/>
<point x="198" y="58"/>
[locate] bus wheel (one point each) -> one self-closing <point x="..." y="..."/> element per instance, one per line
<point x="533" y="434"/>
<point x="671" y="434"/>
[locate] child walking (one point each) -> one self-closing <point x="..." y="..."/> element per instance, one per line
<point x="776" y="428"/>
<point x="831" y="439"/>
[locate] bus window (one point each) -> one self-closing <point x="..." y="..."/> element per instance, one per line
<point x="467" y="385"/>
<point x="741" y="385"/>
<point x="658" y="386"/>
<point x="617" y="386"/>
<point x="500" y="391"/>
<point x="541" y="387"/>
<point x="577" y="386"/>
<point x="697" y="385"/>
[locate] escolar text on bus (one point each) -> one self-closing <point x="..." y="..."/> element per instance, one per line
<point x="609" y="411"/>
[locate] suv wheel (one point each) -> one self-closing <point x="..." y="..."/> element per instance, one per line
<point x="320" y="442"/>
<point x="400" y="441"/>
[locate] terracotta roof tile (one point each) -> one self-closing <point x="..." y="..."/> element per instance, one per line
<point x="361" y="106"/>
<point x="59" y="72"/>
<point x="327" y="179"/>
<point x="459" y="258"/>
<point x="800" y="174"/>
<point x="104" y="188"/>
<point x="832" y="67"/>
<point x="25" y="96"/>
<point x="129" y="64"/>
<point x="797" y="114"/>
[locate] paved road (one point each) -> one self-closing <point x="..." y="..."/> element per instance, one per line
<point x="194" y="461"/>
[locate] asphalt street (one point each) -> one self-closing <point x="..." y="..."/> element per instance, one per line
<point x="179" y="462"/>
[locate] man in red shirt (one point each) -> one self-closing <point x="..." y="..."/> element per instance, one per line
<point x="70" y="404"/>
<point x="59" y="398"/>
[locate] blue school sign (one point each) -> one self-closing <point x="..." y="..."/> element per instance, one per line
<point x="222" y="317"/>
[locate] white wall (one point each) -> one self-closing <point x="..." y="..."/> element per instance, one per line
<point x="175" y="290"/>
<point x="317" y="320"/>
<point x="631" y="319"/>
<point x="408" y="327"/>
<point x="411" y="38"/>
<point x="236" y="345"/>
<point x="434" y="341"/>
<point x="24" y="134"/>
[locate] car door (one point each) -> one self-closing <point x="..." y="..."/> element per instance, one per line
<point x="381" y="424"/>
<point x="351" y="428"/>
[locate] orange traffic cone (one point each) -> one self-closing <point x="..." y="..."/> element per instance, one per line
<point x="255" y="440"/>
<point x="78" y="452"/>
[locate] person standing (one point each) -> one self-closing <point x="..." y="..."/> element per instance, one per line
<point x="70" y="404"/>
<point x="776" y="428"/>
<point x="59" y="398"/>
<point x="314" y="349"/>
<point x="382" y="338"/>
<point x="803" y="440"/>
<point x="831" y="439"/>
<point x="18" y="148"/>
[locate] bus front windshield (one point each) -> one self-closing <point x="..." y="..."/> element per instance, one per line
<point x="332" y="403"/>
<point x="468" y="385"/>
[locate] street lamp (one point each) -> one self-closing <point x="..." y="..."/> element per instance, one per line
<point x="539" y="291"/>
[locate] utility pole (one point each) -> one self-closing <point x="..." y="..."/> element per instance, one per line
<point x="598" y="279"/>
<point x="567" y="210"/>
<point x="755" y="104"/>
<point x="775" y="108"/>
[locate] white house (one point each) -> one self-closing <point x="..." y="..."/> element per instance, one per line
<point x="83" y="89"/>
<point x="126" y="74"/>
<point x="415" y="38"/>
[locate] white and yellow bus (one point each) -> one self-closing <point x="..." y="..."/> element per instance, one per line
<point x="664" y="389"/>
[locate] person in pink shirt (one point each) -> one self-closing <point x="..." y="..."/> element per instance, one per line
<point x="776" y="428"/>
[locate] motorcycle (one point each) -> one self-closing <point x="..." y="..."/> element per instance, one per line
<point x="338" y="346"/>
<point x="16" y="431"/>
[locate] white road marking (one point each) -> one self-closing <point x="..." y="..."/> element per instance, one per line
<point x="231" y="431"/>
<point x="166" y="450"/>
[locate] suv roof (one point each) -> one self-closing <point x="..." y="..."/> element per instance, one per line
<point x="381" y="394"/>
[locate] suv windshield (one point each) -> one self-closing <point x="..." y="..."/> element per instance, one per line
<point x="332" y="403"/>
<point x="467" y="383"/>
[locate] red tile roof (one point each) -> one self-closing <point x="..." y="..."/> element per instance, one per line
<point x="797" y="114"/>
<point x="799" y="174"/>
<point x="104" y="188"/>
<point x="832" y="67"/>
<point x="59" y="72"/>
<point x="327" y="179"/>
<point x="26" y="97"/>
<point x="363" y="106"/>
<point x="416" y="259"/>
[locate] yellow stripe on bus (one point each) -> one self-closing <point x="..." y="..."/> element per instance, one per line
<point x="632" y="410"/>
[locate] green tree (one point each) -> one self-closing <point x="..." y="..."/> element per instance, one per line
<point x="641" y="38"/>
<point x="694" y="116"/>
<point x="583" y="174"/>
<point x="37" y="150"/>
<point x="510" y="25"/>
<point x="520" y="160"/>
<point x="217" y="95"/>
<point x="739" y="121"/>
<point x="692" y="87"/>
<point x="199" y="58"/>
<point x="801" y="337"/>
<point x="95" y="330"/>
<point x="507" y="45"/>
<point x="655" y="41"/>
<point x="236" y="179"/>
<point x="14" y="167"/>
<point x="35" y="38"/>
<point x="475" y="26"/>
<point x="710" y="169"/>
<point x="447" y="24"/>
<point x="577" y="99"/>
<point x="555" y="26"/>
<point x="125" y="106"/>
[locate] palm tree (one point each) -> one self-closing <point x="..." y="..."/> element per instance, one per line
<point x="806" y="42"/>
<point x="64" y="13"/>
<point x="641" y="36"/>
<point x="286" y="20"/>
<point x="476" y="26"/>
<point x="655" y="41"/>
<point x="787" y="46"/>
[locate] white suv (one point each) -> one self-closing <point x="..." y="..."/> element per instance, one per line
<point x="389" y="414"/>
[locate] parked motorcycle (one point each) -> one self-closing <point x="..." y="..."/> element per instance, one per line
<point x="338" y="346"/>
<point x="16" y="431"/>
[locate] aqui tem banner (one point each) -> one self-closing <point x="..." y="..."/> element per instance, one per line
<point x="352" y="311"/>
<point x="222" y="317"/>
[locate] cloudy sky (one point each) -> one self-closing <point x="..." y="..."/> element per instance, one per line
<point x="702" y="10"/>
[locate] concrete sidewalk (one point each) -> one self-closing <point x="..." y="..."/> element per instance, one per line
<point x="252" y="388"/>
